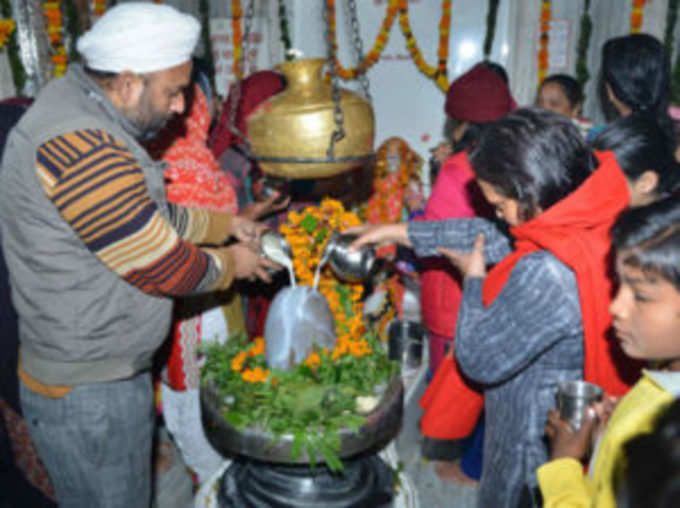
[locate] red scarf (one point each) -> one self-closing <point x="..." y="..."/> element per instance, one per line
<point x="576" y="231"/>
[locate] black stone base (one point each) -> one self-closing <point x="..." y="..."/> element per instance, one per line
<point x="366" y="482"/>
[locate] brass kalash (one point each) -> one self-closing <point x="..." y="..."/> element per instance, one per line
<point x="312" y="129"/>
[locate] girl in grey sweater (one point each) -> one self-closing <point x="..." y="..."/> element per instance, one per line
<point x="521" y="329"/>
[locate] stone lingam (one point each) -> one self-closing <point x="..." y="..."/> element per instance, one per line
<point x="266" y="472"/>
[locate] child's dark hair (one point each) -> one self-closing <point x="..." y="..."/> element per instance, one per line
<point x="534" y="156"/>
<point x="640" y="144"/>
<point x="652" y="469"/>
<point x="648" y="238"/>
<point x="637" y="68"/>
<point x="569" y="86"/>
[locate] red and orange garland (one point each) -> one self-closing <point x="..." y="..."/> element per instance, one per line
<point x="308" y="232"/>
<point x="7" y="26"/>
<point x="99" y="7"/>
<point x="544" y="40"/>
<point x="378" y="45"/>
<point x="636" y="16"/>
<point x="55" y="32"/>
<point x="438" y="74"/>
<point x="237" y="36"/>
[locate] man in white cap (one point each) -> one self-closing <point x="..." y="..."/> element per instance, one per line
<point x="95" y="252"/>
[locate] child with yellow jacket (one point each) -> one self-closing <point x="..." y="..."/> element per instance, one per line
<point x="646" y="314"/>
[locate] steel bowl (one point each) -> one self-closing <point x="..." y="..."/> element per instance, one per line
<point x="351" y="265"/>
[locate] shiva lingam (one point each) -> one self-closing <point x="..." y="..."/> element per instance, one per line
<point x="264" y="470"/>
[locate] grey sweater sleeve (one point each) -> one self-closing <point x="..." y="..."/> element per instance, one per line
<point x="458" y="234"/>
<point x="537" y="307"/>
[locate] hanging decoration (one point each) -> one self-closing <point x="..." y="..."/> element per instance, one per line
<point x="99" y="7"/>
<point x="9" y="39"/>
<point x="55" y="32"/>
<point x="490" y="27"/>
<point x="671" y="20"/>
<point x="636" y="17"/>
<point x="437" y="74"/>
<point x="582" y="74"/>
<point x="204" y="10"/>
<point x="544" y="40"/>
<point x="237" y="37"/>
<point x="73" y="28"/>
<point x="285" y="34"/>
<point x="7" y="27"/>
<point x="373" y="55"/>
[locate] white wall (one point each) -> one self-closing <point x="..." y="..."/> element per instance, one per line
<point x="406" y="103"/>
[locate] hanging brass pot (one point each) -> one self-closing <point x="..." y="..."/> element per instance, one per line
<point x="290" y="136"/>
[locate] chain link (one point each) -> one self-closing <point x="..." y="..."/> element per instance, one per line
<point x="338" y="115"/>
<point x="358" y="48"/>
<point x="236" y="90"/>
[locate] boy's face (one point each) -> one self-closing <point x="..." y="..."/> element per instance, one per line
<point x="646" y="313"/>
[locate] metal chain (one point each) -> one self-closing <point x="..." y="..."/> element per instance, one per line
<point x="359" y="48"/>
<point x="236" y="90"/>
<point x="338" y="115"/>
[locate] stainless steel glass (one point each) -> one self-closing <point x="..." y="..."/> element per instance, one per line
<point x="574" y="398"/>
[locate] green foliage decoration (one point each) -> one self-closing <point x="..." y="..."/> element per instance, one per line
<point x="582" y="74"/>
<point x="285" y="32"/>
<point x="490" y="27"/>
<point x="18" y="71"/>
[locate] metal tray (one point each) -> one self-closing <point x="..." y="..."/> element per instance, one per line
<point x="382" y="424"/>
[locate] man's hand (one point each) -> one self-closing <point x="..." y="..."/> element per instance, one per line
<point x="470" y="264"/>
<point x="248" y="264"/>
<point x="247" y="231"/>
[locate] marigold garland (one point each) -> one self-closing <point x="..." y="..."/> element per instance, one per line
<point x="373" y="55"/>
<point x="308" y="232"/>
<point x="55" y="32"/>
<point x="543" y="56"/>
<point x="99" y="7"/>
<point x="237" y="37"/>
<point x="438" y="74"/>
<point x="636" y="17"/>
<point x="7" y="26"/>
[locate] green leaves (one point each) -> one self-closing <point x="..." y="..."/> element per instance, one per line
<point x="312" y="405"/>
<point x="308" y="223"/>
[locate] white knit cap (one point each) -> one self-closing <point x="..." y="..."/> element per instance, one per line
<point x="139" y="37"/>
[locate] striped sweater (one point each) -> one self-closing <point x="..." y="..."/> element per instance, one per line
<point x="97" y="186"/>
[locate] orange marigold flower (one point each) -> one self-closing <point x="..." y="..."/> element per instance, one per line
<point x="238" y="361"/>
<point x="313" y="359"/>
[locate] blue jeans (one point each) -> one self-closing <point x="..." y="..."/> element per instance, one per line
<point x="96" y="442"/>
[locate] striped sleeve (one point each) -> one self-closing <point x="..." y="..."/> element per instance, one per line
<point x="200" y="226"/>
<point x="98" y="187"/>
